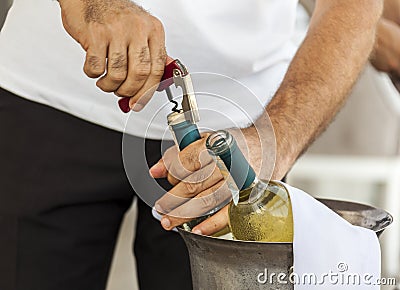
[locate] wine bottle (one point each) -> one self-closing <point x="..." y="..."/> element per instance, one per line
<point x="263" y="211"/>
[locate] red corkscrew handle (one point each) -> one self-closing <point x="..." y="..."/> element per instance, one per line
<point x="166" y="81"/>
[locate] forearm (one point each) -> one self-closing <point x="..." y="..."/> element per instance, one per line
<point x="338" y="43"/>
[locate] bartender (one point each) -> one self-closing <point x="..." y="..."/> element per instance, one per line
<point x="63" y="185"/>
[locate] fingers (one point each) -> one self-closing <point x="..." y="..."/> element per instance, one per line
<point x="204" y="202"/>
<point x="192" y="158"/>
<point x="177" y="165"/>
<point x="189" y="187"/>
<point x="159" y="170"/>
<point x="95" y="62"/>
<point x="138" y="72"/>
<point x="126" y="43"/>
<point x="117" y="67"/>
<point x="158" y="58"/>
<point x="213" y="224"/>
<point x="147" y="60"/>
<point x="199" y="184"/>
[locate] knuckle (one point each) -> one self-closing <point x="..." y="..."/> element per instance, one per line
<point x="161" y="56"/>
<point x="157" y="24"/>
<point x="93" y="61"/>
<point x="174" y="169"/>
<point x="171" y="179"/>
<point x="157" y="71"/>
<point x="142" y="69"/>
<point x="202" y="176"/>
<point x="93" y="66"/>
<point x="191" y="187"/>
<point x="90" y="73"/>
<point x="128" y="88"/>
<point x="209" y="200"/>
<point x="192" y="158"/>
<point x="116" y="77"/>
<point x="141" y="72"/>
<point x="104" y="87"/>
<point x="125" y="92"/>
<point x="139" y="21"/>
<point x="158" y="64"/>
<point x="210" y="172"/>
<point x="143" y="55"/>
<point x="118" y="61"/>
<point x="175" y="174"/>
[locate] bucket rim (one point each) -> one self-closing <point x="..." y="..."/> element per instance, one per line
<point x="341" y="207"/>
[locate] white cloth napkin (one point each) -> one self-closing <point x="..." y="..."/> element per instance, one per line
<point x="330" y="249"/>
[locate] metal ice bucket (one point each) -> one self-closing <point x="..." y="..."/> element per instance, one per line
<point x="227" y="264"/>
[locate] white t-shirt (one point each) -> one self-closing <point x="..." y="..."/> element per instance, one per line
<point x="248" y="40"/>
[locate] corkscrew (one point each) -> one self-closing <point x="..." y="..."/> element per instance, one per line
<point x="182" y="122"/>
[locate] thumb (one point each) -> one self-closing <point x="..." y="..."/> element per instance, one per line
<point x="214" y="223"/>
<point x="158" y="170"/>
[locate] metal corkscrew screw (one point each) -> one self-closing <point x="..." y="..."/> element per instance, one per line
<point x="181" y="121"/>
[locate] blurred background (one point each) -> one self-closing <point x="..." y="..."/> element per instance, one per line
<point x="356" y="159"/>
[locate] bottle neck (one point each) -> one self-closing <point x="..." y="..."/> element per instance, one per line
<point x="244" y="194"/>
<point x="223" y="145"/>
<point x="254" y="192"/>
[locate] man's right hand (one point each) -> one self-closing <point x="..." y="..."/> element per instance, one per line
<point x="124" y="44"/>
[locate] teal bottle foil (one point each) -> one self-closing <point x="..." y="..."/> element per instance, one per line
<point x="233" y="158"/>
<point x="184" y="131"/>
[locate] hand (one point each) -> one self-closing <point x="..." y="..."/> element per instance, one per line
<point x="124" y="44"/>
<point x="386" y="54"/>
<point x="198" y="188"/>
<point x="198" y="184"/>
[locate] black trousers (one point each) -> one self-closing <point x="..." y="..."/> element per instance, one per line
<point x="63" y="193"/>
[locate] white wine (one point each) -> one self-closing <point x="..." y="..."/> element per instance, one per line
<point x="269" y="218"/>
<point x="263" y="212"/>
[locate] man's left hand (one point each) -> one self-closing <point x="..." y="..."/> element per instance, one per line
<point x="198" y="188"/>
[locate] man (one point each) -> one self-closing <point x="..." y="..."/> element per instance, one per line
<point x="63" y="188"/>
